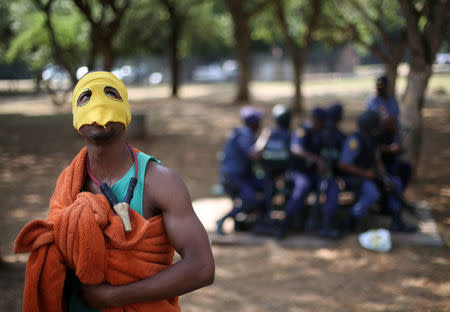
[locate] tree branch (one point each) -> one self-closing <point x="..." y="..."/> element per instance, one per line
<point x="86" y="10"/>
<point x="290" y="42"/>
<point x="260" y="7"/>
<point x="435" y="29"/>
<point x="415" y="38"/>
<point x="57" y="50"/>
<point x="375" y="22"/>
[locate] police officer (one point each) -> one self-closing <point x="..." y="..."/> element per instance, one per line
<point x="236" y="168"/>
<point x="362" y="165"/>
<point x="390" y="146"/>
<point x="333" y="140"/>
<point x="275" y="156"/>
<point x="387" y="107"/>
<point x="383" y="103"/>
<point x="306" y="143"/>
<point x="334" y="136"/>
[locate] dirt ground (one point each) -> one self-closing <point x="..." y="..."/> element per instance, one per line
<point x="186" y="135"/>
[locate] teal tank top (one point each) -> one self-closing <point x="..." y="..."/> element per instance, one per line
<point x="119" y="189"/>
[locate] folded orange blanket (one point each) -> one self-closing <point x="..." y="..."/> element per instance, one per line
<point x="82" y="233"/>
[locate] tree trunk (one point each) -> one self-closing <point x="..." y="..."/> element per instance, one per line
<point x="37" y="81"/>
<point x="175" y="29"/>
<point x="108" y="57"/>
<point x="391" y="74"/>
<point x="297" y="100"/>
<point x="242" y="42"/>
<point x="92" y="52"/>
<point x="72" y="74"/>
<point x="412" y="104"/>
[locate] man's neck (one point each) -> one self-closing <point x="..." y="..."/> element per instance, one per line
<point x="109" y="161"/>
<point x="384" y="96"/>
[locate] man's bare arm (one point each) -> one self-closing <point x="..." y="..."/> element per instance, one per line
<point x="187" y="236"/>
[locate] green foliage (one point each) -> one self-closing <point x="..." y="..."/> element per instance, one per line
<point x="355" y="20"/>
<point x="146" y="28"/>
<point x="31" y="42"/>
<point x="208" y="31"/>
<point x="143" y="29"/>
<point x="265" y="27"/>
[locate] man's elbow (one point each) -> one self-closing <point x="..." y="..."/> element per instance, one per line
<point x="208" y="274"/>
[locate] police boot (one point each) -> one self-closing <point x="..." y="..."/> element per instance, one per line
<point x="399" y="226"/>
<point x="281" y="233"/>
<point x="327" y="231"/>
<point x="219" y="224"/>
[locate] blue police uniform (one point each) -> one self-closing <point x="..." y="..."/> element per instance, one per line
<point x="393" y="163"/>
<point x="303" y="174"/>
<point x="275" y="159"/>
<point x="389" y="107"/>
<point x="333" y="141"/>
<point x="236" y="169"/>
<point x="384" y="106"/>
<point x="361" y="151"/>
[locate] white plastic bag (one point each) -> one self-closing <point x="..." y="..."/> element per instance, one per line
<point x="376" y="240"/>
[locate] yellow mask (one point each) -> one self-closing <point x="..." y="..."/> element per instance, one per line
<point x="100" y="108"/>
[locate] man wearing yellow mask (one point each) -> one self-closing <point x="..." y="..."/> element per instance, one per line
<point x="129" y="180"/>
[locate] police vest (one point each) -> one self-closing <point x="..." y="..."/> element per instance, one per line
<point x="276" y="154"/>
<point x="332" y="140"/>
<point x="313" y="143"/>
<point x="367" y="152"/>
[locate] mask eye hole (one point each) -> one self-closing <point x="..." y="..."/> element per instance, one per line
<point x="112" y="93"/>
<point x="84" y="98"/>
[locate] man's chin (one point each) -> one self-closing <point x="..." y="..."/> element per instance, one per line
<point x="102" y="136"/>
<point x="99" y="133"/>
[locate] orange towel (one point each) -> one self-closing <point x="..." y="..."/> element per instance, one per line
<point x="82" y="233"/>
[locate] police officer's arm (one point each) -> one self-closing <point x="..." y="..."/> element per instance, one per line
<point x="251" y="149"/>
<point x="301" y="152"/>
<point x="379" y="163"/>
<point x="371" y="104"/>
<point x="261" y="142"/>
<point x="187" y="236"/>
<point x="394" y="148"/>
<point x="354" y="170"/>
<point x="298" y="150"/>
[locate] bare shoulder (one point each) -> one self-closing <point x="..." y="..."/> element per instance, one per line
<point x="165" y="188"/>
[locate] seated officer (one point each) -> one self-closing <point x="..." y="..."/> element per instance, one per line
<point x="306" y="143"/>
<point x="363" y="169"/>
<point x="236" y="168"/>
<point x="332" y="142"/>
<point x="390" y="146"/>
<point x="387" y="107"/>
<point x="333" y="135"/>
<point x="275" y="156"/>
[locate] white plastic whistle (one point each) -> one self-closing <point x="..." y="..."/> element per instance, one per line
<point x="121" y="209"/>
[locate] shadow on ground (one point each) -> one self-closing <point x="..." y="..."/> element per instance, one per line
<point x="186" y="135"/>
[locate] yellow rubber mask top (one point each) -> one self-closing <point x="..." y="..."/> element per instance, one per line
<point x="100" y="108"/>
